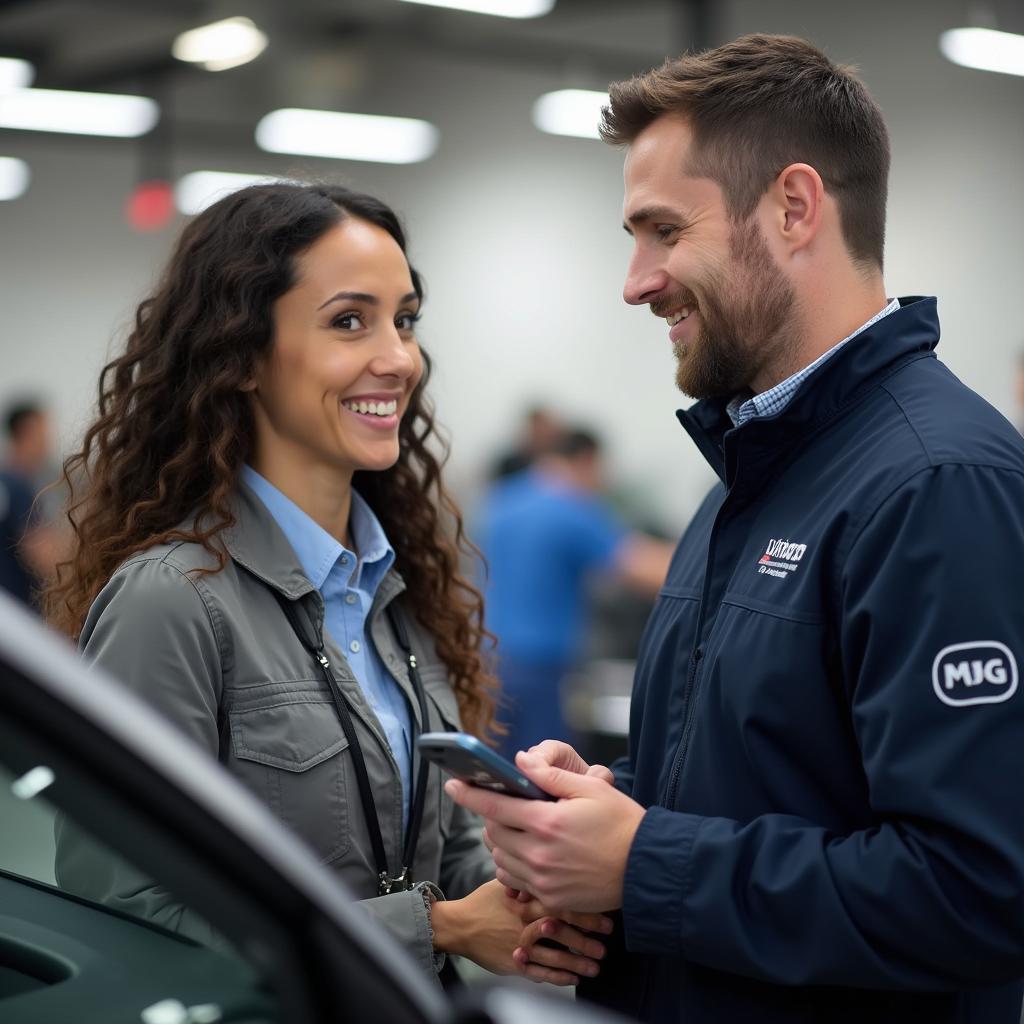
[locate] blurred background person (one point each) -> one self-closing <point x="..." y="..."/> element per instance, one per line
<point x="30" y="450"/>
<point x="544" y="533"/>
<point x="15" y="518"/>
<point x="29" y="537"/>
<point x="542" y="428"/>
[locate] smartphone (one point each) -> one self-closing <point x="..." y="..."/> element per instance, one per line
<point x="468" y="759"/>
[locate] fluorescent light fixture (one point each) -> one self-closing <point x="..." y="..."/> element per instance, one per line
<point x="78" y="113"/>
<point x="984" y="49"/>
<point x="386" y="140"/>
<point x="501" y="8"/>
<point x="14" y="74"/>
<point x="221" y="45"/>
<point x="14" y="177"/>
<point x="196" y="191"/>
<point x="570" y="112"/>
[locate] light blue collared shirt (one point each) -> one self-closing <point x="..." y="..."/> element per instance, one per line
<point x="776" y="399"/>
<point x="347" y="582"/>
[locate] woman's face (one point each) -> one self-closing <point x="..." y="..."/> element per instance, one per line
<point x="344" y="361"/>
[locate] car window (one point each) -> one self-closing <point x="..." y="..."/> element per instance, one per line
<point x="73" y="923"/>
<point x="129" y="858"/>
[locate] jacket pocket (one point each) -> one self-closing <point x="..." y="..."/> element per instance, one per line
<point x="290" y="749"/>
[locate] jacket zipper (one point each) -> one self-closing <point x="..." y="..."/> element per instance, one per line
<point x="690" y="692"/>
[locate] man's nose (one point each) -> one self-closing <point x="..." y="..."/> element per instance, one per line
<point x="645" y="281"/>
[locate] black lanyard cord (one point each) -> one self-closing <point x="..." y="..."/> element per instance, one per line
<point x="420" y="797"/>
<point x="315" y="645"/>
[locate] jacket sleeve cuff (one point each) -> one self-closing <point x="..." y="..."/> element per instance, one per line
<point x="406" y="915"/>
<point x="657" y="881"/>
<point x="430" y="893"/>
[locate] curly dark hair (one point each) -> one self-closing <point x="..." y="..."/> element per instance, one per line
<point x="174" y="426"/>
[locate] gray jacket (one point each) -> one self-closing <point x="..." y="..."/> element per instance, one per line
<point x="216" y="654"/>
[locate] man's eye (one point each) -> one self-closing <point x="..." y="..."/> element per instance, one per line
<point x="407" y="321"/>
<point x="347" y="322"/>
<point x="665" y="231"/>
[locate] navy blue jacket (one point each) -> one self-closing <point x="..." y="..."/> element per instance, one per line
<point x="827" y="728"/>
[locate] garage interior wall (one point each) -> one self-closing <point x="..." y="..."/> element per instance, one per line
<point x="519" y="237"/>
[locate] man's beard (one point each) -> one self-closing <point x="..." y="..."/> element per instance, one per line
<point x="733" y="345"/>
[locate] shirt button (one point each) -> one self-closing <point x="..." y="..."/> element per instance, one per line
<point x="343" y="559"/>
<point x="354" y="647"/>
<point x="350" y="599"/>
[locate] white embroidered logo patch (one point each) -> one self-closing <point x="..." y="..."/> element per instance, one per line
<point x="780" y="558"/>
<point x="983" y="672"/>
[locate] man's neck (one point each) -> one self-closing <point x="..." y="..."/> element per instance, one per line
<point x="822" y="321"/>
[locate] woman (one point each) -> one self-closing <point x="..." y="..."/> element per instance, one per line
<point x="260" y="553"/>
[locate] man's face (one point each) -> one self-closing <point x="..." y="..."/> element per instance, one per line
<point x="730" y="308"/>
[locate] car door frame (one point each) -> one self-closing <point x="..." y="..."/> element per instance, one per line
<point x="168" y="807"/>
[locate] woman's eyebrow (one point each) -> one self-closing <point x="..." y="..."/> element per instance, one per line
<point x="351" y="297"/>
<point x="366" y="297"/>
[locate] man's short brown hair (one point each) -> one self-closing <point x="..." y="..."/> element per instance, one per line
<point x="757" y="105"/>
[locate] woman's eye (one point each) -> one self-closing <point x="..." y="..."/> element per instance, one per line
<point x="407" y="321"/>
<point x="347" y="322"/>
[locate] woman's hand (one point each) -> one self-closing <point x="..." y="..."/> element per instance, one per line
<point x="488" y="926"/>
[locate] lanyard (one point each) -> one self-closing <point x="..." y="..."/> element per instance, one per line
<point x="313" y="641"/>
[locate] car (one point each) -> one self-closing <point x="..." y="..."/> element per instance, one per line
<point x="288" y="944"/>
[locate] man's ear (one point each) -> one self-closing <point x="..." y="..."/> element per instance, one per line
<point x="798" y="197"/>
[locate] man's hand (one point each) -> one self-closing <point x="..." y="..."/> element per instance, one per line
<point x="561" y="755"/>
<point x="570" y="855"/>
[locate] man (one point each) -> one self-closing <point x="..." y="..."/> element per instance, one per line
<point x="820" y="818"/>
<point x="545" y="531"/>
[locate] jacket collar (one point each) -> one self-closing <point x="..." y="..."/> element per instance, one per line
<point x="909" y="333"/>
<point x="259" y="545"/>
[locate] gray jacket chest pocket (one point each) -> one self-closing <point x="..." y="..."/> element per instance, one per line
<point x="289" y="750"/>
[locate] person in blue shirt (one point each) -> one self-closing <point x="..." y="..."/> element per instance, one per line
<point x="30" y="544"/>
<point x="819" y="818"/>
<point x="260" y="554"/>
<point x="16" y="577"/>
<point x="544" y="532"/>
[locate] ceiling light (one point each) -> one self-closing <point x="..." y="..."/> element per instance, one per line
<point x="196" y="191"/>
<point x="14" y="74"/>
<point x="501" y="8"/>
<point x="14" y="177"/>
<point x="387" y="140"/>
<point x="221" y="45"/>
<point x="79" y="113"/>
<point x="985" y="49"/>
<point x="570" y="112"/>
